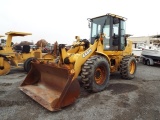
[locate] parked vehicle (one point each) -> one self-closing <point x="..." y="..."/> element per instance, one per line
<point x="150" y="56"/>
<point x="55" y="85"/>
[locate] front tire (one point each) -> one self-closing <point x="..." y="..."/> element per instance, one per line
<point x="27" y="64"/>
<point x="148" y="62"/>
<point x="6" y="69"/>
<point x="95" y="73"/>
<point x="128" y="67"/>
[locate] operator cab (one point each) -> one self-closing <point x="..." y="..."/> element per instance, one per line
<point x="113" y="28"/>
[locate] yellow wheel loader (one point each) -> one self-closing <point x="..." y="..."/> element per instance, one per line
<point x="9" y="57"/>
<point x="55" y="85"/>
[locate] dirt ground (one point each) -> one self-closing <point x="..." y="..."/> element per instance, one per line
<point x="136" y="99"/>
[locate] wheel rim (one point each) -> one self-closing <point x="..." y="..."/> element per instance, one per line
<point x="132" y="67"/>
<point x="100" y="75"/>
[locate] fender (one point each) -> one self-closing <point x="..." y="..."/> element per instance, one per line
<point x="106" y="56"/>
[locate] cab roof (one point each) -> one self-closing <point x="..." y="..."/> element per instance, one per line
<point x="113" y="15"/>
<point x="13" y="33"/>
<point x="1" y="36"/>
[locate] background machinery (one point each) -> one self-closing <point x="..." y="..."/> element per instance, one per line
<point x="1" y="36"/>
<point x="55" y="85"/>
<point x="22" y="58"/>
<point x="1" y="41"/>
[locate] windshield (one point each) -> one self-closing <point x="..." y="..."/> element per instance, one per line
<point x="100" y="25"/>
<point x="97" y="25"/>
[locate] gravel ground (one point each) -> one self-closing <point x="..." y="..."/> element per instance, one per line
<point x="136" y="99"/>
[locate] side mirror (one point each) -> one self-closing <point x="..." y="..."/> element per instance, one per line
<point x="125" y="42"/>
<point x="89" y="23"/>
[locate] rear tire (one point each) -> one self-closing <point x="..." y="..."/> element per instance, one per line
<point x="27" y="64"/>
<point x="144" y="61"/>
<point x="148" y="62"/>
<point x="128" y="67"/>
<point x="95" y="73"/>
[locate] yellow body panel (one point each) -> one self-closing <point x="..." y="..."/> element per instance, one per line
<point x="77" y="55"/>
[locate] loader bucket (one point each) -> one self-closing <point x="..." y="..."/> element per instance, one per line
<point x="51" y="86"/>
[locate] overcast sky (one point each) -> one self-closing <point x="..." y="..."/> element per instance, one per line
<point x="62" y="20"/>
